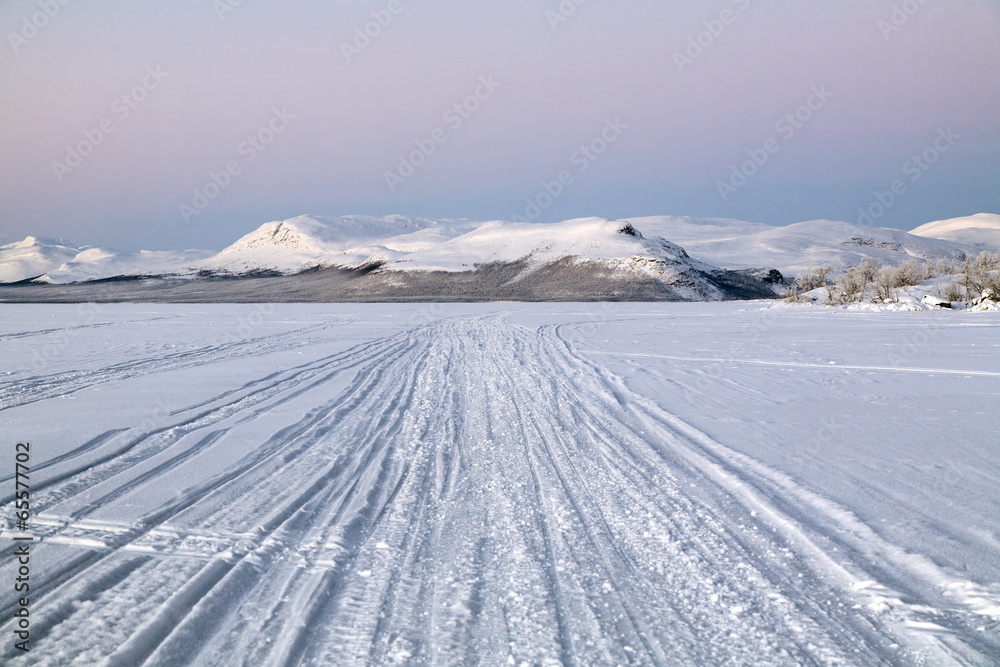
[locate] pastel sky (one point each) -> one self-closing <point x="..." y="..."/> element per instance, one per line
<point x="894" y="83"/>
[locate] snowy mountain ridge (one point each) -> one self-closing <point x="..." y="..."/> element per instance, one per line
<point x="982" y="229"/>
<point x="664" y="246"/>
<point x="796" y="248"/>
<point x="33" y="258"/>
<point x="308" y="241"/>
<point x="613" y="249"/>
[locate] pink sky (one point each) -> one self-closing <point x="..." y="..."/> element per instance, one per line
<point x="686" y="129"/>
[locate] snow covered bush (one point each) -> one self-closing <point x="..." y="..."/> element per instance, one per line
<point x="851" y="285"/>
<point x="976" y="283"/>
<point x="982" y="276"/>
<point x="812" y="279"/>
<point x="908" y="273"/>
<point x="945" y="267"/>
<point x="854" y="282"/>
<point x="885" y="283"/>
<point x="952" y="293"/>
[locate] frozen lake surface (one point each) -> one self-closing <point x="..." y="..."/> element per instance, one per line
<point x="506" y="484"/>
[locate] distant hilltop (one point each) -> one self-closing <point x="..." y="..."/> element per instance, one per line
<point x="689" y="258"/>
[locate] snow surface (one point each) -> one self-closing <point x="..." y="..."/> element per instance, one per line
<point x="982" y="229"/>
<point x="646" y="484"/>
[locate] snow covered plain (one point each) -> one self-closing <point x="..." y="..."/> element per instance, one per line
<point x="721" y="483"/>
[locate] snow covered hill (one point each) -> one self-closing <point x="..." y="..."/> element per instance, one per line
<point x="32" y="258"/>
<point x="349" y="241"/>
<point x="100" y="264"/>
<point x="680" y="252"/>
<point x="59" y="262"/>
<point x="418" y="245"/>
<point x="981" y="230"/>
<point x="413" y="258"/>
<point x="795" y="248"/>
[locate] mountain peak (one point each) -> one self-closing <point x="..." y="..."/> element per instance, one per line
<point x="414" y="244"/>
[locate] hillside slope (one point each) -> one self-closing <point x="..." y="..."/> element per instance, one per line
<point x="981" y="230"/>
<point x="660" y="257"/>
<point x="32" y="258"/>
<point x="795" y="248"/>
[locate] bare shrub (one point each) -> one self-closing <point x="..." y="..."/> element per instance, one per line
<point x="814" y="278"/>
<point x="981" y="275"/>
<point x="945" y="267"/>
<point x="792" y="293"/>
<point x="908" y="273"/>
<point x="868" y="269"/>
<point x="884" y="285"/>
<point x="952" y="293"/>
<point x="855" y="281"/>
<point x="852" y="285"/>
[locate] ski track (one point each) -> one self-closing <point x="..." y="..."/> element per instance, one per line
<point x="477" y="493"/>
<point x="57" y="385"/>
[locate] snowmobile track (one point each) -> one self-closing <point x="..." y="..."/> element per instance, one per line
<point x="473" y="492"/>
